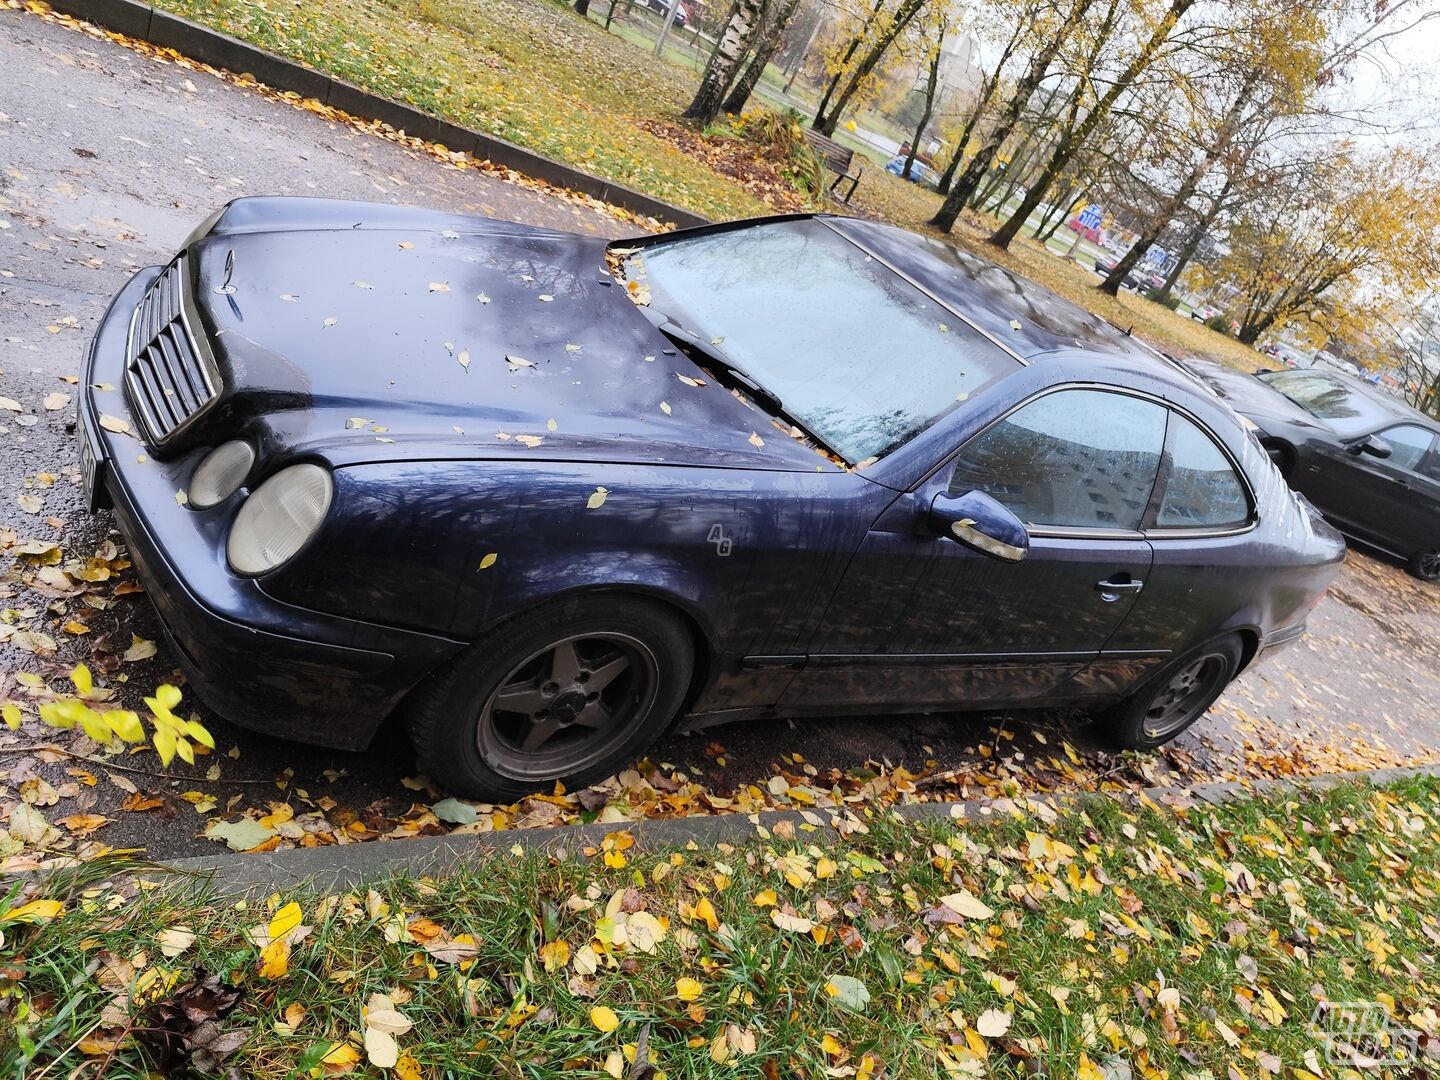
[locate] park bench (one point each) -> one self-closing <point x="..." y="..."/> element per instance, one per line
<point x="837" y="159"/>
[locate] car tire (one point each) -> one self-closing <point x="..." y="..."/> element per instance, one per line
<point x="523" y="707"/>
<point x="1173" y="699"/>
<point x="1425" y="565"/>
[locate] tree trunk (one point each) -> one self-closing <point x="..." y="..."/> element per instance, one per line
<point x="1192" y="242"/>
<point x="609" y="15"/>
<point x="930" y="85"/>
<point x="1156" y="225"/>
<point x="856" y="40"/>
<point x="987" y="91"/>
<point x="964" y="188"/>
<point x="1058" y="213"/>
<point x="773" y="35"/>
<point x="799" y="62"/>
<point x="583" y="7"/>
<point x="904" y="15"/>
<point x="729" y="51"/>
<point x="1071" y="141"/>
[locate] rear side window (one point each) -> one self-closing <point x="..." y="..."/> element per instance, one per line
<point x="1202" y="491"/>
<point x="1073" y="459"/>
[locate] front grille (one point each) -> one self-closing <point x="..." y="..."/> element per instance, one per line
<point x="169" y="375"/>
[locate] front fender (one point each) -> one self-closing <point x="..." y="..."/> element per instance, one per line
<point x="749" y="556"/>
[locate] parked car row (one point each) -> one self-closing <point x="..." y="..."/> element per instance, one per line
<point x="1141" y="278"/>
<point x="1369" y="462"/>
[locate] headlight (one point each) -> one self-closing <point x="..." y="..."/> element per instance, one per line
<point x="220" y="473"/>
<point x="278" y="517"/>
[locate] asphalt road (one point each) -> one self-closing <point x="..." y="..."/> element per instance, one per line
<point x="110" y="158"/>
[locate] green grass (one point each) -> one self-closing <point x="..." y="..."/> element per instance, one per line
<point x="1099" y="918"/>
<point x="530" y="71"/>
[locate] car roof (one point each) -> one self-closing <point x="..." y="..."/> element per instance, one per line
<point x="1025" y="318"/>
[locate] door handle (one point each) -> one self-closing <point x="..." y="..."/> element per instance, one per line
<point x="1110" y="590"/>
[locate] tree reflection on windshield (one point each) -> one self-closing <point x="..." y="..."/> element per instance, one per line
<point x="857" y="354"/>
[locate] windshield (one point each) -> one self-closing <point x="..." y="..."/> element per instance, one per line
<point x="857" y="355"/>
<point x="1348" y="410"/>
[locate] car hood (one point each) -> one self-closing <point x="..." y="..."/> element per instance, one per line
<point x="1252" y="399"/>
<point x="376" y="333"/>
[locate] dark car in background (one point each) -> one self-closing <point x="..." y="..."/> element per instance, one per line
<point x="1141" y="278"/>
<point x="544" y="496"/>
<point x="1368" y="461"/>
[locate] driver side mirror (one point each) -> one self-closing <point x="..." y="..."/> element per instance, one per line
<point x="1372" y="445"/>
<point x="978" y="521"/>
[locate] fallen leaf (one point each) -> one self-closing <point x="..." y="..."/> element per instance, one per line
<point x="993" y="1023"/>
<point x="597" y="498"/>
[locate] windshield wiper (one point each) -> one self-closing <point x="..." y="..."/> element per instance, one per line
<point x="715" y="358"/>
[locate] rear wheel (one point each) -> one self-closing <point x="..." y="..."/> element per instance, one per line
<point x="1426" y="565"/>
<point x="1171" y="701"/>
<point x="568" y="693"/>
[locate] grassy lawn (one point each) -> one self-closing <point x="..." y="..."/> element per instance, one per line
<point x="1189" y="943"/>
<point x="530" y="71"/>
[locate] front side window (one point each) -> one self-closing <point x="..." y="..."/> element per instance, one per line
<point x="1408" y="443"/>
<point x="1202" y="490"/>
<point x="859" y="356"/>
<point x="1072" y="459"/>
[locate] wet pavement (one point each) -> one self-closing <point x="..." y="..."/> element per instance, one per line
<point x="110" y="158"/>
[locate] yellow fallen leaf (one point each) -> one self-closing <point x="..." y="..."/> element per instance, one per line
<point x="967" y="904"/>
<point x="285" y="920"/>
<point x="275" y="959"/>
<point x="381" y="1048"/>
<point x="34" y="911"/>
<point x="687" y="989"/>
<point x="597" y="498"/>
<point x="175" y="939"/>
<point x="555" y="954"/>
<point x="115" y="424"/>
<point x="604" y="1018"/>
<point x="489" y="560"/>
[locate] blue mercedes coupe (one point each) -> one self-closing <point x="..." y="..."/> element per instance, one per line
<point x="540" y="497"/>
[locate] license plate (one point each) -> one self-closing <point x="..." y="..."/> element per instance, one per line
<point x="92" y="465"/>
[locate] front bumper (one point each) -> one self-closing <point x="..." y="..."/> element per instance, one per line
<point x="258" y="662"/>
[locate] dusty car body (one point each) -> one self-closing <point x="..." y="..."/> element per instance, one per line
<point x="1368" y="461"/>
<point x="527" y="489"/>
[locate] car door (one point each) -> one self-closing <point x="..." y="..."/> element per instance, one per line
<point x="920" y="620"/>
<point x="1204" y="571"/>
<point x="1375" y="497"/>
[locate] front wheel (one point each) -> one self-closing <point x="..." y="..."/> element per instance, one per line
<point x="1171" y="701"/>
<point x="569" y="692"/>
<point x="1426" y="565"/>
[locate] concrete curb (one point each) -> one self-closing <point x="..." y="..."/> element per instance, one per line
<point x="137" y="19"/>
<point x="340" y="868"/>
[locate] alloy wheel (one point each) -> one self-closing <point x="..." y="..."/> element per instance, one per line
<point x="567" y="706"/>
<point x="1428" y="565"/>
<point x="1190" y="689"/>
